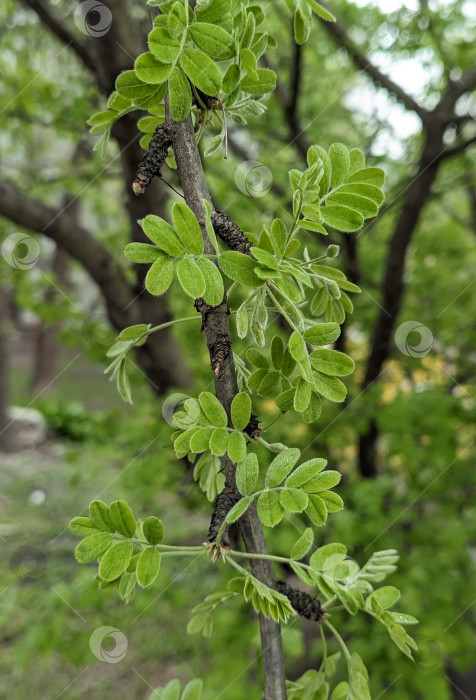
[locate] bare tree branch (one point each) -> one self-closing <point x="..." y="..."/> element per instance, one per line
<point x="339" y="32"/>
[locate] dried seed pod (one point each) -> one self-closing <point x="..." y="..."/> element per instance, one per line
<point x="230" y="233"/>
<point x="151" y="164"/>
<point x="305" y="604"/>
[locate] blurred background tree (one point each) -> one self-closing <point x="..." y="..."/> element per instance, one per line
<point x="398" y="77"/>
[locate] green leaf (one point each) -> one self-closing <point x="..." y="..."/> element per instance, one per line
<point x="293" y="500"/>
<point x="115" y="561"/>
<point x="302" y="546"/>
<point x="99" y="514"/>
<point x="160" y="275"/>
<point x="83" y="526"/>
<point x="238" y="509"/>
<point x="92" y="547"/>
<point x="340" y="163"/>
<point x="313" y="411"/>
<point x="322" y="334"/>
<point x="241" y="410"/>
<point x="133" y="332"/>
<point x="365" y="206"/>
<point x="357" y="160"/>
<point x="369" y="176"/>
<point x="213" y="409"/>
<point x="281" y="466"/>
<point x="201" y="70"/>
<point x="269" y="384"/>
<point x="277" y="352"/>
<point x="316" y="510"/>
<point x="270" y="510"/>
<point x="314" y="154"/>
<point x="215" y="290"/>
<point x="330" y="387"/>
<point x="265" y="258"/>
<point x="248" y="62"/>
<point x="386" y="597"/>
<point x="200" y="440"/>
<point x="321" y="11"/>
<point x="128" y="85"/>
<point x="257" y="359"/>
<point x="328" y="556"/>
<point x="266" y="82"/>
<point x="153" y="530"/>
<point x="242" y="321"/>
<point x="342" y="218"/>
<point x="163" y="235"/>
<point x="247" y="473"/>
<point x="213" y="40"/>
<point x="231" y="78"/>
<point x="191" y="278"/>
<point x="193" y="690"/>
<point x="278" y="237"/>
<point x="302" y="396"/>
<point x="122" y="518"/>
<point x="255" y="379"/>
<point x="332" y="362"/>
<point x="180" y="94"/>
<point x="236" y="446"/>
<point x="240" y="268"/>
<point x="187" y="228"/>
<point x="363" y="190"/>
<point x="322" y="482"/>
<point x="150" y="70"/>
<point x="285" y="401"/>
<point x="148" y="567"/>
<point x="332" y="501"/>
<point x="305" y="472"/>
<point x="164" y="47"/>
<point x="219" y="441"/>
<point x="297" y="347"/>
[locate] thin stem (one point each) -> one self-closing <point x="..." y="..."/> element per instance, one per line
<point x="173" y="323"/>
<point x="282" y="311"/>
<point x="324" y="646"/>
<point x="340" y="641"/>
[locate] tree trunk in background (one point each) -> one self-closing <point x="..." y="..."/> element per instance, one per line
<point x="4" y="388"/>
<point x="45" y="360"/>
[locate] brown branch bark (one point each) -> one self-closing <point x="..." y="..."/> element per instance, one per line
<point x="217" y="332"/>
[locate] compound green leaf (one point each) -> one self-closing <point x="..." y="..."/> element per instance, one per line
<point x="163" y="235"/>
<point x="236" y="446"/>
<point x="200" y="440"/>
<point x="332" y="362"/>
<point x="160" y="275"/>
<point x="187" y="228"/>
<point x="213" y="409"/>
<point x="302" y="396"/>
<point x="270" y="510"/>
<point x="281" y="466"/>
<point x="340" y="163"/>
<point x="316" y="510"/>
<point x="213" y="40"/>
<point x="297" y="347"/>
<point x="330" y="387"/>
<point x="342" y="218"/>
<point x="153" y="530"/>
<point x="165" y="48"/>
<point x="148" y="567"/>
<point x="369" y="176"/>
<point x="302" y="546"/>
<point x="92" y="547"/>
<point x="215" y="290"/>
<point x="191" y="278"/>
<point x="247" y="472"/>
<point x="322" y="482"/>
<point x="266" y="82"/>
<point x="122" y="518"/>
<point x="293" y="500"/>
<point x="328" y="556"/>
<point x="305" y="472"/>
<point x="99" y="514"/>
<point x="201" y="70"/>
<point x="241" y="410"/>
<point x="115" y="561"/>
<point x="150" y="70"/>
<point x="180" y="94"/>
<point x="322" y="334"/>
<point x="240" y="268"/>
<point x="219" y="441"/>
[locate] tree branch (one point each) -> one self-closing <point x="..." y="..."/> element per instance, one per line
<point x="339" y="32"/>
<point x="217" y="332"/>
<point x="55" y="24"/>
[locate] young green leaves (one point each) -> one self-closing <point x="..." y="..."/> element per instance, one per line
<point x="110" y="537"/>
<point x="295" y="490"/>
<point x="205" y="427"/>
<point x="177" y="249"/>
